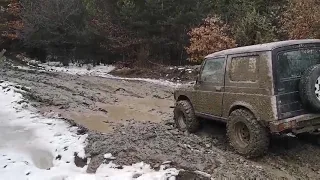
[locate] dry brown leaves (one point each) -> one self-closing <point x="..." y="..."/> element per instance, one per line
<point x="210" y="37"/>
<point x="14" y="24"/>
<point x="302" y="19"/>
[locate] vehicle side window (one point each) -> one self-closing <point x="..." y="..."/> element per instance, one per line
<point x="213" y="70"/>
<point x="244" y="68"/>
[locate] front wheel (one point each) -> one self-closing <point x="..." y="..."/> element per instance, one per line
<point x="185" y="117"/>
<point x="246" y="135"/>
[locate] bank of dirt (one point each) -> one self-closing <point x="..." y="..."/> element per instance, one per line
<point x="171" y="73"/>
<point x="133" y="121"/>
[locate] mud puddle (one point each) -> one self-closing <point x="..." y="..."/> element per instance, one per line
<point x="125" y="109"/>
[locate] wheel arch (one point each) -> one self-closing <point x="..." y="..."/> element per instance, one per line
<point x="183" y="97"/>
<point x="246" y="106"/>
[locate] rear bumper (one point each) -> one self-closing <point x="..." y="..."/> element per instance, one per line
<point x="298" y="124"/>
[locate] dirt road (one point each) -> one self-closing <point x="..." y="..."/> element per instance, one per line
<point x="133" y="121"/>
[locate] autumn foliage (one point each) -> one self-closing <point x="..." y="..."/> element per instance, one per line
<point x="302" y="19"/>
<point x="14" y="24"/>
<point x="161" y="32"/>
<point x="210" y="37"/>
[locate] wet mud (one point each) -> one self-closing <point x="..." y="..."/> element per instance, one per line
<point x="94" y="102"/>
<point x="133" y="121"/>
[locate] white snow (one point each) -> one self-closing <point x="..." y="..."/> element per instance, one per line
<point x="75" y="70"/>
<point x="34" y="143"/>
<point x="36" y="148"/>
<point x="29" y="68"/>
<point x="154" y="81"/>
<point x="99" y="71"/>
<point x="109" y="156"/>
<point x="139" y="171"/>
<point x="103" y="71"/>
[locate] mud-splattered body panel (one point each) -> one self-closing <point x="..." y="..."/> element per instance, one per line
<point x="249" y="84"/>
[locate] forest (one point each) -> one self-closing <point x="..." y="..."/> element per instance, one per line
<point x="146" y="32"/>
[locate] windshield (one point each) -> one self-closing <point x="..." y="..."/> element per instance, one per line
<point x="292" y="63"/>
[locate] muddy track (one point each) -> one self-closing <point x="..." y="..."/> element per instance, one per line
<point x="133" y="121"/>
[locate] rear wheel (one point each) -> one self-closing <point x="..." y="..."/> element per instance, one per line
<point x="246" y="135"/>
<point x="185" y="118"/>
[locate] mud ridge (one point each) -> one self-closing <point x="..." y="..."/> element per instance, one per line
<point x="155" y="144"/>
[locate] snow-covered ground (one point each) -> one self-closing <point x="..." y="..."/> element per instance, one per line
<point x="34" y="147"/>
<point x="100" y="71"/>
<point x="103" y="71"/>
<point x="76" y="70"/>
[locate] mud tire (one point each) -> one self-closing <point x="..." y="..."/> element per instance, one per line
<point x="191" y="122"/>
<point x="259" y="140"/>
<point x="307" y="88"/>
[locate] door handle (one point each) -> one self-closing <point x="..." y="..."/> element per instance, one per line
<point x="218" y="88"/>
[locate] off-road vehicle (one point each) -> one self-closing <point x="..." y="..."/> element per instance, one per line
<point x="257" y="90"/>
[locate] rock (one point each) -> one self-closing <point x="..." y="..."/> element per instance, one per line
<point x="89" y="67"/>
<point x="24" y="106"/>
<point x="80" y="162"/>
<point x="103" y="110"/>
<point x="189" y="175"/>
<point x="156" y="166"/>
<point x="58" y="157"/>
<point x="82" y="130"/>
<point x="95" y="162"/>
<point x="135" y="176"/>
<point x="166" y="162"/>
<point x="109" y="156"/>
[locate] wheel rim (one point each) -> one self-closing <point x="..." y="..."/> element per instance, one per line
<point x="182" y="121"/>
<point x="242" y="134"/>
<point x="317" y="88"/>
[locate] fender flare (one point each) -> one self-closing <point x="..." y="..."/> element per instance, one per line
<point x="245" y="105"/>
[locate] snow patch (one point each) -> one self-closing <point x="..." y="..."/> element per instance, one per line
<point x="139" y="171"/>
<point x="39" y="148"/>
<point x="109" y="156"/>
<point x="103" y="71"/>
<point x="154" y="81"/>
<point x="75" y="70"/>
<point x="33" y="146"/>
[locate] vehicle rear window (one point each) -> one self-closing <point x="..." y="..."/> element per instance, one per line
<point x="292" y="63"/>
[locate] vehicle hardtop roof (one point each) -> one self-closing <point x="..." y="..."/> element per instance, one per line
<point x="261" y="47"/>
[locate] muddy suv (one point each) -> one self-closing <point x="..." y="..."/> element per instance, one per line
<point x="257" y="90"/>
